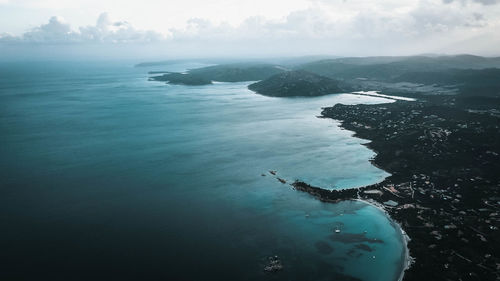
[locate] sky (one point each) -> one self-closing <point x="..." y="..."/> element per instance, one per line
<point x="252" y="28"/>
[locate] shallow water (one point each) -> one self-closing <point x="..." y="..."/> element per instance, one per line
<point x="106" y="175"/>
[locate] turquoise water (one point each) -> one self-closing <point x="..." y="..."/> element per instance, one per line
<point x="106" y="175"/>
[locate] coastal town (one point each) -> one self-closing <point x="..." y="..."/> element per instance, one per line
<point x="443" y="189"/>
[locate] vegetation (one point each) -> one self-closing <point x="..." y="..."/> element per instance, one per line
<point x="237" y="72"/>
<point x="296" y="83"/>
<point x="484" y="82"/>
<point x="386" y="68"/>
<point x="222" y="73"/>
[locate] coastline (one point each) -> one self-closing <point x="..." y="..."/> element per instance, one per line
<point x="408" y="260"/>
<point x="353" y="193"/>
<point x="444" y="200"/>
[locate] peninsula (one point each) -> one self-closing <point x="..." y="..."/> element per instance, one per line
<point x="238" y="72"/>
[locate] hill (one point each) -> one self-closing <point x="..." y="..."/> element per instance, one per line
<point x="296" y="83"/>
<point x="237" y="72"/>
<point x="223" y="73"/>
<point x="480" y="82"/>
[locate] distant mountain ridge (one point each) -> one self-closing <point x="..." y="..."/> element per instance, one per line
<point x="468" y="81"/>
<point x="386" y="68"/>
<point x="463" y="74"/>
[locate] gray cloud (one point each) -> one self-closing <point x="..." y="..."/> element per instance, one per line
<point x="484" y="2"/>
<point x="109" y="31"/>
<point x="6" y="37"/>
<point x="314" y="23"/>
<point x="55" y="31"/>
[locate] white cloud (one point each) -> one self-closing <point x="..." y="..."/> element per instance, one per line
<point x="110" y="31"/>
<point x="58" y="31"/>
<point x="424" y="20"/>
<point x="55" y="31"/>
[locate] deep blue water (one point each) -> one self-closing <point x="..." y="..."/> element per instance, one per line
<point x="108" y="176"/>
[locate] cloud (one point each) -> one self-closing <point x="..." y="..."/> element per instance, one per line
<point x="483" y="2"/>
<point x="425" y="27"/>
<point x="432" y="19"/>
<point x="58" y="31"/>
<point x="109" y="31"/>
<point x="55" y="31"/>
<point x="340" y="27"/>
<point x="325" y="20"/>
<point x="424" y="20"/>
<point x="7" y="37"/>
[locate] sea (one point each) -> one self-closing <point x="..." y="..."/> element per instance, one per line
<point x="105" y="175"/>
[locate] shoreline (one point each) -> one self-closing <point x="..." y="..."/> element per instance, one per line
<point x="353" y="193"/>
<point x="408" y="260"/>
<point x="378" y="95"/>
<point x="442" y="189"/>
